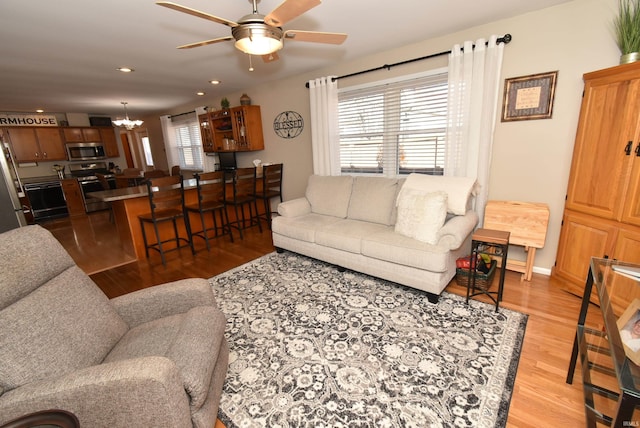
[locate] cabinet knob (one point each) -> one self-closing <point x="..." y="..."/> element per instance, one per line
<point x="627" y="148"/>
<point x="637" y="150"/>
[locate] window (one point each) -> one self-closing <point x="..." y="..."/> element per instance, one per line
<point x="188" y="145"/>
<point x="146" y="148"/>
<point x="394" y="128"/>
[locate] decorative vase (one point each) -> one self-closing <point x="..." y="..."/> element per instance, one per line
<point x="245" y="100"/>
<point x="630" y="57"/>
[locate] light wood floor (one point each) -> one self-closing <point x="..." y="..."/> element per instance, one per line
<point x="541" y="398"/>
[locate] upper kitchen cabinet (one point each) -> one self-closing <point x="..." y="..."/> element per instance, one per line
<point x="36" y="144"/>
<point x="238" y="129"/>
<point x="78" y="135"/>
<point x="110" y="142"/>
<point x="205" y="133"/>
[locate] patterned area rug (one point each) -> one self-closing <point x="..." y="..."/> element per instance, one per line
<point x="314" y="347"/>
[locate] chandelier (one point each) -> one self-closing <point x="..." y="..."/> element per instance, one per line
<point x="128" y="124"/>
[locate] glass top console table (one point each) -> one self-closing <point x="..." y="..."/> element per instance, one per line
<point x="610" y="349"/>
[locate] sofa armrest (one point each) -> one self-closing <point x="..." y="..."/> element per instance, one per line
<point x="163" y="300"/>
<point x="455" y="231"/>
<point x="294" y="208"/>
<point x="133" y="393"/>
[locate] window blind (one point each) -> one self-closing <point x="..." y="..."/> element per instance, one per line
<point x="394" y="128"/>
<point x="189" y="145"/>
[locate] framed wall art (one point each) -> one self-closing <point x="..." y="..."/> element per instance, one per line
<point x="529" y="97"/>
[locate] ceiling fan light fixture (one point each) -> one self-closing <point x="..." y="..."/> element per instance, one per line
<point x="257" y="38"/>
<point x="126" y="122"/>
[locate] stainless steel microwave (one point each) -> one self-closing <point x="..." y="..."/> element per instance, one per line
<point x="85" y="151"/>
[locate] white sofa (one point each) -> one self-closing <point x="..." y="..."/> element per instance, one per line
<point x="407" y="231"/>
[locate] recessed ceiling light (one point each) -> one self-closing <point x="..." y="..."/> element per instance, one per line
<point x="39" y="111"/>
<point x="201" y="93"/>
<point x="214" y="82"/>
<point x="125" y="69"/>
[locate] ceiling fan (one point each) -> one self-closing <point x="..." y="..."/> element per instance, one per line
<point x="262" y="35"/>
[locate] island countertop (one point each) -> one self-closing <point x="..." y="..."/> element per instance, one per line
<point x="131" y="192"/>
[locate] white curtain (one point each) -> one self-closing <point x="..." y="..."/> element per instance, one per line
<point x="169" y="139"/>
<point x="324" y="126"/>
<point x="474" y="83"/>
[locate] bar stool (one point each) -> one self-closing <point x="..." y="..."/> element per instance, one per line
<point x="482" y="240"/>
<point x="244" y="194"/>
<point x="106" y="186"/>
<point x="211" y="188"/>
<point x="166" y="199"/>
<point x="271" y="188"/>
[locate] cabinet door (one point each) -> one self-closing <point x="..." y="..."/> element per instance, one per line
<point x="627" y="249"/>
<point x="631" y="212"/>
<point x="248" y="127"/>
<point x="221" y="128"/>
<point x="24" y="144"/>
<point x="51" y="144"/>
<point x="205" y="133"/>
<point x="73" y="196"/>
<point x="91" y="134"/>
<point x="602" y="155"/>
<point x="108" y="138"/>
<point x="73" y="135"/>
<point x="581" y="238"/>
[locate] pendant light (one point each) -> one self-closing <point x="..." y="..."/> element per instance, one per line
<point x="126" y="123"/>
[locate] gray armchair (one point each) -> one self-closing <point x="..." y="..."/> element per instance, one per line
<point x="155" y="357"/>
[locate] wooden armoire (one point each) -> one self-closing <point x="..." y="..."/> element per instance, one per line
<point x="602" y="210"/>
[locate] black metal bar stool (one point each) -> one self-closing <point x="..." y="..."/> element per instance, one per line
<point x="271" y="188"/>
<point x="211" y="188"/>
<point x="166" y="199"/>
<point x="244" y="194"/>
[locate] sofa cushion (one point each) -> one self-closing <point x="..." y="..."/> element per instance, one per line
<point x="302" y="228"/>
<point x="459" y="189"/>
<point x="421" y="215"/>
<point x="192" y="340"/>
<point x="372" y="199"/>
<point x="346" y="235"/>
<point x="396" y="248"/>
<point x="48" y="334"/>
<point x="329" y="195"/>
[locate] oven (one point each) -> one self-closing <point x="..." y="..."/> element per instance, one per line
<point x="85" y="173"/>
<point x="47" y="200"/>
<point x="92" y="184"/>
<point x="85" y="151"/>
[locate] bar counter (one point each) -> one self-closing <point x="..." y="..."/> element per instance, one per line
<point x="130" y="202"/>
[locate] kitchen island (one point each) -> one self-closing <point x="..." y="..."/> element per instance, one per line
<point x="128" y="203"/>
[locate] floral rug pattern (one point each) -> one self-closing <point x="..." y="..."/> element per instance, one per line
<point x="314" y="347"/>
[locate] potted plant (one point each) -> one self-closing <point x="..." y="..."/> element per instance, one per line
<point x="224" y="103"/>
<point x="627" y="30"/>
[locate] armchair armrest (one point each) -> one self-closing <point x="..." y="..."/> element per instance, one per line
<point x="140" y="392"/>
<point x="455" y="231"/>
<point x="294" y="208"/>
<point x="163" y="300"/>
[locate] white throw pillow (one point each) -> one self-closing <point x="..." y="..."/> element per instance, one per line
<point x="421" y="215"/>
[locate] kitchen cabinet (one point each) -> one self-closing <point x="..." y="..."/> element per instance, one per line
<point x="205" y="133"/>
<point x="110" y="142"/>
<point x="79" y="135"/>
<point x="602" y="210"/>
<point x="236" y="129"/>
<point x="36" y="144"/>
<point x="73" y="195"/>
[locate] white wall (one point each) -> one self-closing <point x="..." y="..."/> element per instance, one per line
<point x="531" y="159"/>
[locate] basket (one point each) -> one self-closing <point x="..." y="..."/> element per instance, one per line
<point x="483" y="280"/>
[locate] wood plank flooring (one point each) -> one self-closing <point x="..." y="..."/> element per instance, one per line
<point x="541" y="398"/>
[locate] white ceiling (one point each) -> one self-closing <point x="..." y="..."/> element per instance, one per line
<point x="62" y="55"/>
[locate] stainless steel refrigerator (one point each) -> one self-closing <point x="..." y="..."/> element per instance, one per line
<point x="11" y="211"/>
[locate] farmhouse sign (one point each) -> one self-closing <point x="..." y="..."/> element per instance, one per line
<point x="22" y="119"/>
<point x="288" y="124"/>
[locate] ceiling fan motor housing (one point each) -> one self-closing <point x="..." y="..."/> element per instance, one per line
<point x="255" y="37"/>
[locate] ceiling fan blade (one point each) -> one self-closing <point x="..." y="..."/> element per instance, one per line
<point x="288" y="10"/>
<point x="205" y="42"/>
<point x="197" y="13"/>
<point x="315" y="37"/>
<point x="270" y="57"/>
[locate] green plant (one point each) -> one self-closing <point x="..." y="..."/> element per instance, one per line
<point x="627" y="26"/>
<point x="224" y="102"/>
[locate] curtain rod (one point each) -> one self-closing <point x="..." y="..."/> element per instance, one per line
<point x="182" y="114"/>
<point x="506" y="39"/>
